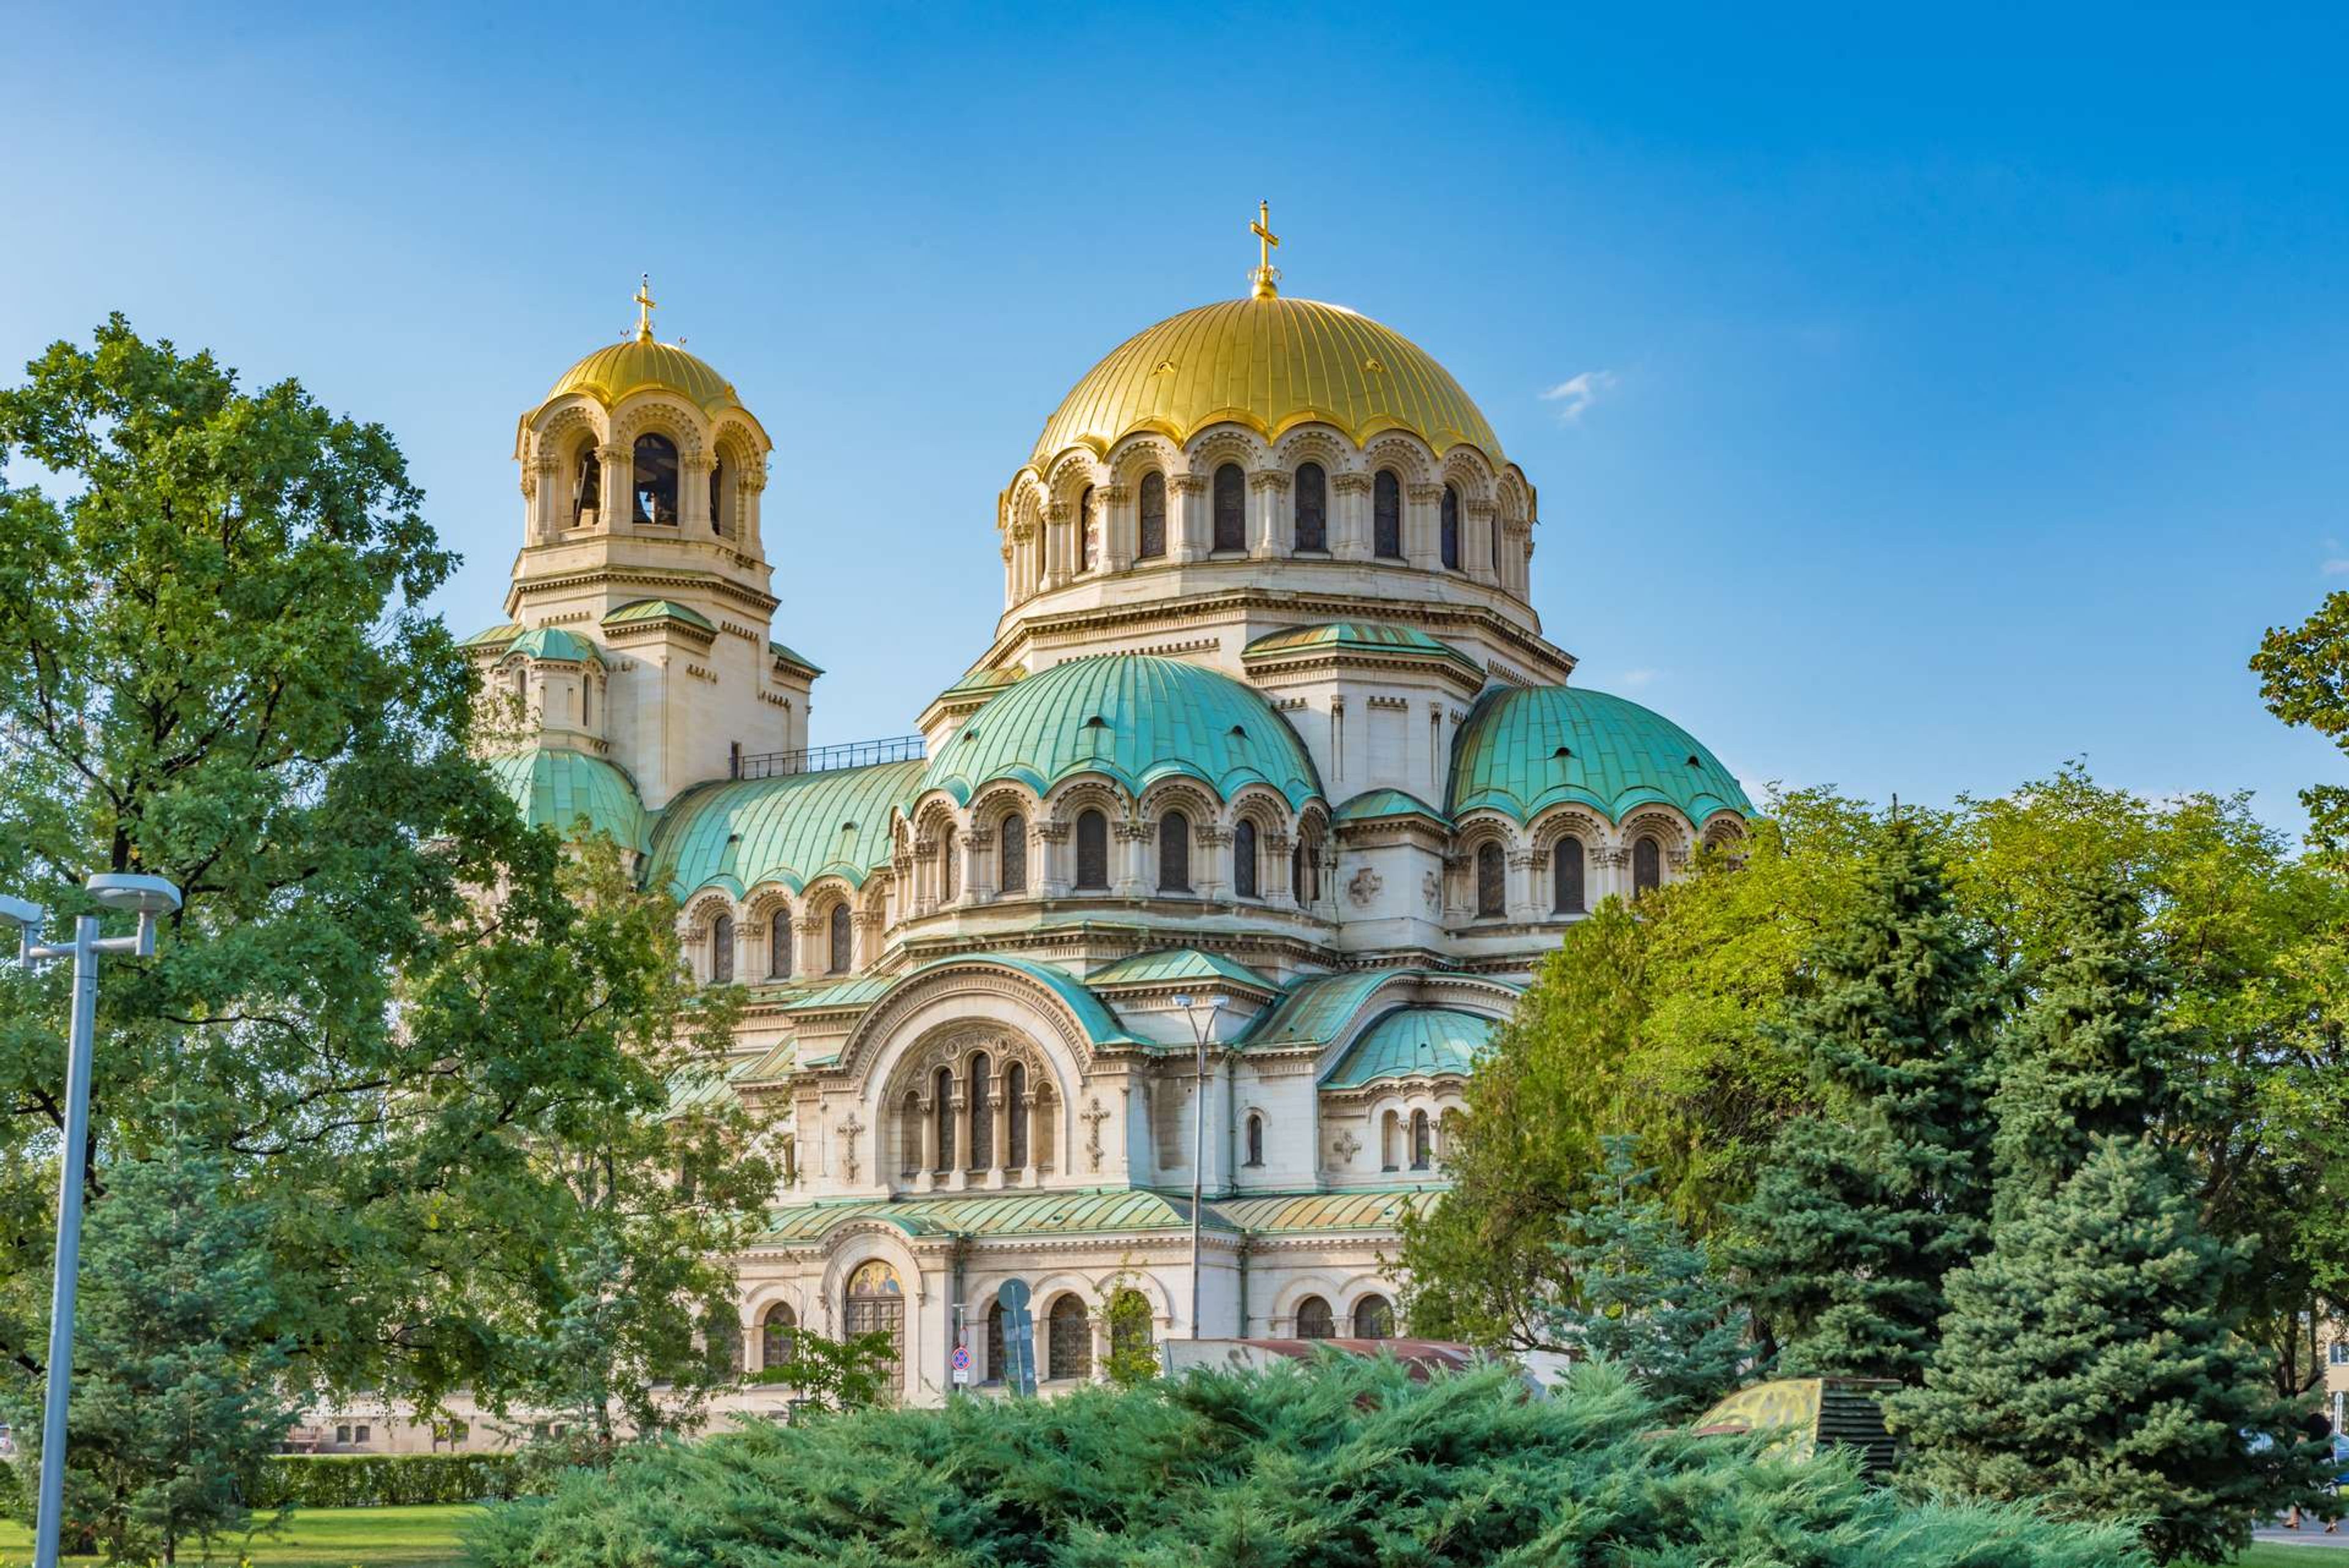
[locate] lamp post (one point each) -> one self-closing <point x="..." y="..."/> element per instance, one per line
<point x="1200" y="1035"/>
<point x="146" y="897"/>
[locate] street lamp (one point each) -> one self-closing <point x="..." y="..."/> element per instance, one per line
<point x="1200" y="1035"/>
<point x="145" y="897"/>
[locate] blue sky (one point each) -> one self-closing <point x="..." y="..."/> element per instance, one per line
<point x="1960" y="394"/>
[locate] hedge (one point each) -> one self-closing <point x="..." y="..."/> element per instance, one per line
<point x="382" y="1481"/>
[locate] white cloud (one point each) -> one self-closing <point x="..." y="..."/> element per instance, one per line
<point x="2338" y="566"/>
<point x="1636" y="679"/>
<point x="1576" y="393"/>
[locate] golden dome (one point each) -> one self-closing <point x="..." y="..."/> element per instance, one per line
<point x="1269" y="363"/>
<point x="612" y="373"/>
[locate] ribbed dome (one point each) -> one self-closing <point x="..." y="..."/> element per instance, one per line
<point x="1269" y="363"/>
<point x="1522" y="751"/>
<point x="1133" y="719"/>
<point x="557" y="788"/>
<point x="612" y="373"/>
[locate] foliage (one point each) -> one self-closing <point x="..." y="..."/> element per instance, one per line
<point x="1342" y="1462"/>
<point x="838" y="1374"/>
<point x="1868" y="1202"/>
<point x="399" y="1480"/>
<point x="1645" y="1297"/>
<point x="179" y="1389"/>
<point x="452" y="1109"/>
<point x="2303" y="673"/>
<point x="2087" y="1363"/>
<point x="1133" y="1352"/>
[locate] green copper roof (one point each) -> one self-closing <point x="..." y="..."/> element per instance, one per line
<point x="657" y="610"/>
<point x="495" y="637"/>
<point x="555" y="789"/>
<point x="1049" y="1213"/>
<point x="1133" y="717"/>
<point x="1359" y="637"/>
<point x="1277" y="1214"/>
<point x="1172" y="963"/>
<point x="554" y="642"/>
<point x="1373" y="804"/>
<point x="1522" y="751"/>
<point x="1316" y="1011"/>
<point x="739" y="832"/>
<point x="777" y="650"/>
<point x="1414" y="1042"/>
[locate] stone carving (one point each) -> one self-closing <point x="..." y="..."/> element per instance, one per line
<point x="1093" y="1116"/>
<point x="1431" y="889"/>
<point x="849" y="1128"/>
<point x="1363" y="887"/>
<point x="1345" y="1145"/>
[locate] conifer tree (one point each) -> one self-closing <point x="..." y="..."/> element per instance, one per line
<point x="2083" y="1058"/>
<point x="1645" y="1296"/>
<point x="1865" y="1205"/>
<point x="2087" y="1363"/>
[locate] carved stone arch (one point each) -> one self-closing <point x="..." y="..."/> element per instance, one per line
<point x="733" y="437"/>
<point x="1466" y="468"/>
<point x="1477" y="826"/>
<point x="764" y="901"/>
<point x="704" y="907"/>
<point x="1268" y="808"/>
<point x="1509" y="488"/>
<point x="933" y="813"/>
<point x="849" y="1246"/>
<point x="1724" y="830"/>
<point x="1221" y="444"/>
<point x="1667" y="826"/>
<point x="964" y="995"/>
<point x="1152" y="1288"/>
<point x="1084" y="792"/>
<point x="1070" y="472"/>
<point x="817" y="898"/>
<point x="951" y="1044"/>
<point x="1405" y="453"/>
<point x="992" y="801"/>
<point x="1184" y="794"/>
<point x="1313" y="1282"/>
<point x="1138" y="454"/>
<point x="560" y="434"/>
<point x="1315" y="444"/>
<point x="658" y="413"/>
<point x="1557" y="822"/>
<point x="769" y="1293"/>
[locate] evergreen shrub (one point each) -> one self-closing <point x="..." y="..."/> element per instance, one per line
<point x="386" y="1481"/>
<point x="1340" y="1462"/>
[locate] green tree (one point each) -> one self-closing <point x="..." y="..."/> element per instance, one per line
<point x="1868" y="1202"/>
<point x="214" y="665"/>
<point x="182" y="1390"/>
<point x="852" y="1374"/>
<point x="1645" y="1296"/>
<point x="2303" y="673"/>
<point x="2088" y="1363"/>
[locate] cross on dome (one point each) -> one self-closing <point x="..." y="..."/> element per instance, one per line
<point x="645" y="307"/>
<point x="1266" y="274"/>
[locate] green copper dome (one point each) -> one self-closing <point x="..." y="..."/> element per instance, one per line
<point x="555" y="789"/>
<point x="1135" y="720"/>
<point x="1523" y="752"/>
<point x="1414" y="1042"/>
<point x="737" y="833"/>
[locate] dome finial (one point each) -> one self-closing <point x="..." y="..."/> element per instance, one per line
<point x="644" y="305"/>
<point x="1266" y="275"/>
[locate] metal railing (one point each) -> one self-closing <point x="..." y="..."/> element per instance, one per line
<point x="825" y="759"/>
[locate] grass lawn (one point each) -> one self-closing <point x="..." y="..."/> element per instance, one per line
<point x="323" y="1538"/>
<point x="2266" y="1554"/>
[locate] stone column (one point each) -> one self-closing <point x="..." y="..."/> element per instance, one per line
<point x="979" y="866"/>
<point x="749" y="488"/>
<point x="1476" y="549"/>
<point x="1057" y="557"/>
<point x="1130" y="878"/>
<point x="1118" y="523"/>
<point x="929" y="1138"/>
<point x="693" y="499"/>
<point x="1611" y="871"/>
<point x="1273" y="879"/>
<point x="1267" y="532"/>
<point x="961" y="1161"/>
<point x="545" y="501"/>
<point x="1049" y="869"/>
<point x="1349" y="516"/>
<point x="1523" y="886"/>
<point x="999" y="1121"/>
<point x="616" y="505"/>
<point x="1422" y="520"/>
<point x="1186" y="519"/>
<point x="1211" y="861"/>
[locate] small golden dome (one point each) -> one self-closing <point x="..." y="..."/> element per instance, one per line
<point x="1269" y="363"/>
<point x="612" y="373"/>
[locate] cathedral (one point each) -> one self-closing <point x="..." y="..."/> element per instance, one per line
<point x="1212" y="871"/>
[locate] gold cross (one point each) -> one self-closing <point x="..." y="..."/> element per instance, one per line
<point x="645" y="307"/>
<point x="1265" y="276"/>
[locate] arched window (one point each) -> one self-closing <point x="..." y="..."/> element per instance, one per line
<point x="995" y="1369"/>
<point x="586" y="484"/>
<point x="950" y="866"/>
<point x="942" y="1111"/>
<point x="1244" y="877"/>
<point x="1494" y="523"/>
<point x="721" y="1341"/>
<point x="841" y="959"/>
<point x="721" y="951"/>
<point x="875" y="1304"/>
<point x="1566" y="876"/>
<point x="1492" y="881"/>
<point x="910" y="1135"/>
<point x="1314" y="1320"/>
<point x="982" y="1115"/>
<point x="1231" y="508"/>
<point x="718" y="496"/>
<point x="1015" y="1117"/>
<point x="1092" y="850"/>
<point x="1129" y="1324"/>
<point x="776" y="1336"/>
<point x="655" y="483"/>
<point x="779" y="944"/>
<point x="1011" y="853"/>
<point x="1150" y="534"/>
<point x="1422" y="1142"/>
<point x="1374" y="1318"/>
<point x="1390" y="1142"/>
<point x="1174" y="852"/>
<point x="1312" y="508"/>
<point x="1255" y="1139"/>
<point x="1647" y="865"/>
<point x="1070" y="1351"/>
<point x="586" y="702"/>
<point x="1085" y="530"/>
<point x="521" y="687"/>
<point x="1450" y="529"/>
<point x="1386" y="516"/>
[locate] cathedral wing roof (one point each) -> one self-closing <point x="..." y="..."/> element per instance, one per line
<point x="737" y="833"/>
<point x="557" y="788"/>
<point x="1525" y="749"/>
<point x="1414" y="1042"/>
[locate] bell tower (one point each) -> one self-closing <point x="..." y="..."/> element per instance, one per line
<point x="642" y="481"/>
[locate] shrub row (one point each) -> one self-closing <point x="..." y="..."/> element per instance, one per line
<point x="382" y="1481"/>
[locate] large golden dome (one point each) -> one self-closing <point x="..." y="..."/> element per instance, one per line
<point x="1269" y="363"/>
<point x="612" y="373"/>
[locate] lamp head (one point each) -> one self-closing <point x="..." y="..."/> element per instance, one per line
<point x="1219" y="1002"/>
<point x="1183" y="1000"/>
<point x="24" y="912"/>
<point x="131" y="894"/>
